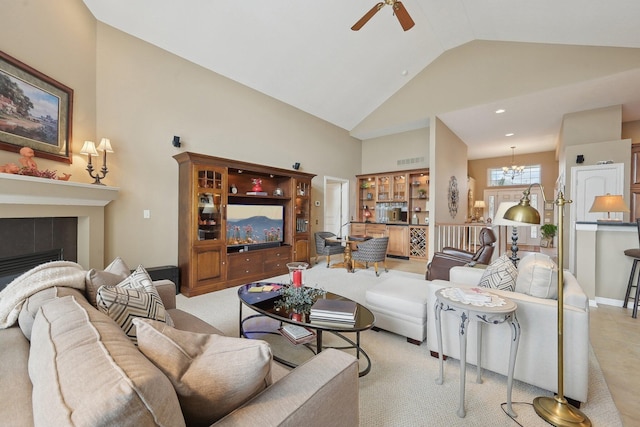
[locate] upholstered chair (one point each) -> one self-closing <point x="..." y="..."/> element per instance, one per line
<point x="325" y="247"/>
<point x="373" y="250"/>
<point x="442" y="262"/>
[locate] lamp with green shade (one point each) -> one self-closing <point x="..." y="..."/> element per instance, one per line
<point x="555" y="410"/>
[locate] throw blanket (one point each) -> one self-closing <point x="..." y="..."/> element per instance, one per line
<point x="47" y="275"/>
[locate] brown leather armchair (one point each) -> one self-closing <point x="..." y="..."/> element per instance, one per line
<point x="442" y="262"/>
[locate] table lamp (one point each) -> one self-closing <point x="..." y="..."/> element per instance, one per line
<point x="500" y="220"/>
<point x="479" y="204"/>
<point x="609" y="203"/>
<point x="555" y="410"/>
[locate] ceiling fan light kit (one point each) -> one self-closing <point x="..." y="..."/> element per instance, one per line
<point x="398" y="10"/>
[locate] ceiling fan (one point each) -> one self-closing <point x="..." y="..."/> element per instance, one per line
<point x="398" y="10"/>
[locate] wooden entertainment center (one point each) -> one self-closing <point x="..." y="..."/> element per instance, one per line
<point x="215" y="254"/>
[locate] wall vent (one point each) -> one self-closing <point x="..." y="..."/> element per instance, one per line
<point x="411" y="161"/>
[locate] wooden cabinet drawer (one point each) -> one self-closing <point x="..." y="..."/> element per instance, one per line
<point x="244" y="264"/>
<point x="277" y="265"/>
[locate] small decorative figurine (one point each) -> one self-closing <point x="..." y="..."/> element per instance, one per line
<point x="27" y="158"/>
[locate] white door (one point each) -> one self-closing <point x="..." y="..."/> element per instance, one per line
<point x="336" y="206"/>
<point x="587" y="182"/>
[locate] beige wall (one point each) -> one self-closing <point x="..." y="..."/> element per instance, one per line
<point x="387" y="153"/>
<point x="142" y="96"/>
<point x="546" y="160"/>
<point x="451" y="153"/>
<point x="57" y="39"/>
<point x="631" y="130"/>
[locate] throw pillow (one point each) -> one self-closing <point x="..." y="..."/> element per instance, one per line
<point x="538" y="276"/>
<point x="136" y="296"/>
<point x="500" y="274"/>
<point x="113" y="274"/>
<point x="212" y="374"/>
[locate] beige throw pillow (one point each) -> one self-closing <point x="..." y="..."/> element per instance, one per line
<point x="538" y="276"/>
<point x="113" y="274"/>
<point x="500" y="274"/>
<point x="212" y="374"/>
<point x="136" y="296"/>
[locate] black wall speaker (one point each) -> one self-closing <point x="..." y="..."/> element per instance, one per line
<point x="580" y="158"/>
<point x="296" y="166"/>
<point x="176" y="141"/>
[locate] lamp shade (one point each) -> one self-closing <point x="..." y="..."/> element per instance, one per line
<point x="89" y="148"/>
<point x="609" y="203"/>
<point x="105" y="145"/>
<point x="479" y="204"/>
<point x="499" y="217"/>
<point x="523" y="212"/>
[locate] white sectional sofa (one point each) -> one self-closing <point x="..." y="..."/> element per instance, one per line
<point x="536" y="361"/>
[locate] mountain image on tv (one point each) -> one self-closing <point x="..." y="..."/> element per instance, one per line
<point x="247" y="224"/>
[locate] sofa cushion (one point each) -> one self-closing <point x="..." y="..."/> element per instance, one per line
<point x="136" y="296"/>
<point x="113" y="274"/>
<point x="537" y="276"/>
<point x="33" y="303"/>
<point x="500" y="274"/>
<point x="86" y="372"/>
<point x="212" y="374"/>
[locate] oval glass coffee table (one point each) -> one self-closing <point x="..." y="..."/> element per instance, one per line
<point x="264" y="303"/>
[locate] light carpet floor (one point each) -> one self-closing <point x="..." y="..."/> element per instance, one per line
<point x="400" y="390"/>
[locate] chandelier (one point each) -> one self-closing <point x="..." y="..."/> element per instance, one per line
<point x="513" y="170"/>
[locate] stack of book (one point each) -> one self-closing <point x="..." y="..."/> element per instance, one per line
<point x="333" y="311"/>
<point x="297" y="334"/>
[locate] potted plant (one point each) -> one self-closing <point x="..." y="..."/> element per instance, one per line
<point x="548" y="232"/>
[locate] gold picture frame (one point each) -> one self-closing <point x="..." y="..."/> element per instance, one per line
<point x="35" y="111"/>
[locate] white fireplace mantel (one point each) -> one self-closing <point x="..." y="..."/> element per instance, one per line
<point x="31" y="197"/>
<point x="28" y="190"/>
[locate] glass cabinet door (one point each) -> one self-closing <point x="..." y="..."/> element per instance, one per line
<point x="303" y="189"/>
<point x="384" y="189"/>
<point x="209" y="198"/>
<point x="399" y="188"/>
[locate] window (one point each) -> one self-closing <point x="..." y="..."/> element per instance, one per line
<point x="530" y="174"/>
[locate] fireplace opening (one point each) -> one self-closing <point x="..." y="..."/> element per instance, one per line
<point x="14" y="266"/>
<point x="22" y="236"/>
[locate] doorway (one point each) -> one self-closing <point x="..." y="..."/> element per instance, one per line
<point x="336" y="205"/>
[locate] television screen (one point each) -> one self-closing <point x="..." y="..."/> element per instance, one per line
<point x="253" y="224"/>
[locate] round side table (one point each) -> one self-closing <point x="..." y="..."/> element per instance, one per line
<point x="496" y="311"/>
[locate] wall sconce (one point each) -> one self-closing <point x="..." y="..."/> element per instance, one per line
<point x="89" y="148"/>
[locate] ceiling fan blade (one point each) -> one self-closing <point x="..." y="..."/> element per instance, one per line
<point x="403" y="16"/>
<point x="367" y="16"/>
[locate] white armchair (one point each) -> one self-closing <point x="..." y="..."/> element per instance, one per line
<point x="536" y="361"/>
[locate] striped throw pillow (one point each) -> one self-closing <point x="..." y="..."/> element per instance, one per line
<point x="136" y="296"/>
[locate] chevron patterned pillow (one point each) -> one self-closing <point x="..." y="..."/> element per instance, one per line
<point x="500" y="274"/>
<point x="136" y="296"/>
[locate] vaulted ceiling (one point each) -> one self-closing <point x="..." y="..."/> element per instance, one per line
<point x="305" y="54"/>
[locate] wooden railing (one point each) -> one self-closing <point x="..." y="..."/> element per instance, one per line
<point x="461" y="236"/>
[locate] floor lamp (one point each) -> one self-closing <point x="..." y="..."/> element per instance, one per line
<point x="554" y="410"/>
<point x="500" y="220"/>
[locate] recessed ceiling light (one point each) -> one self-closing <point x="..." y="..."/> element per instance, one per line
<point x="500" y="111"/>
<point x="509" y="134"/>
<point x="404" y="72"/>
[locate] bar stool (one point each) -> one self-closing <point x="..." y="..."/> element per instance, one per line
<point x="635" y="254"/>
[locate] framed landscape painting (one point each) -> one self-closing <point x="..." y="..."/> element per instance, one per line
<point x="35" y="111"/>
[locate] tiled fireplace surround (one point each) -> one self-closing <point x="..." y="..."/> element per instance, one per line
<point x="29" y="197"/>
